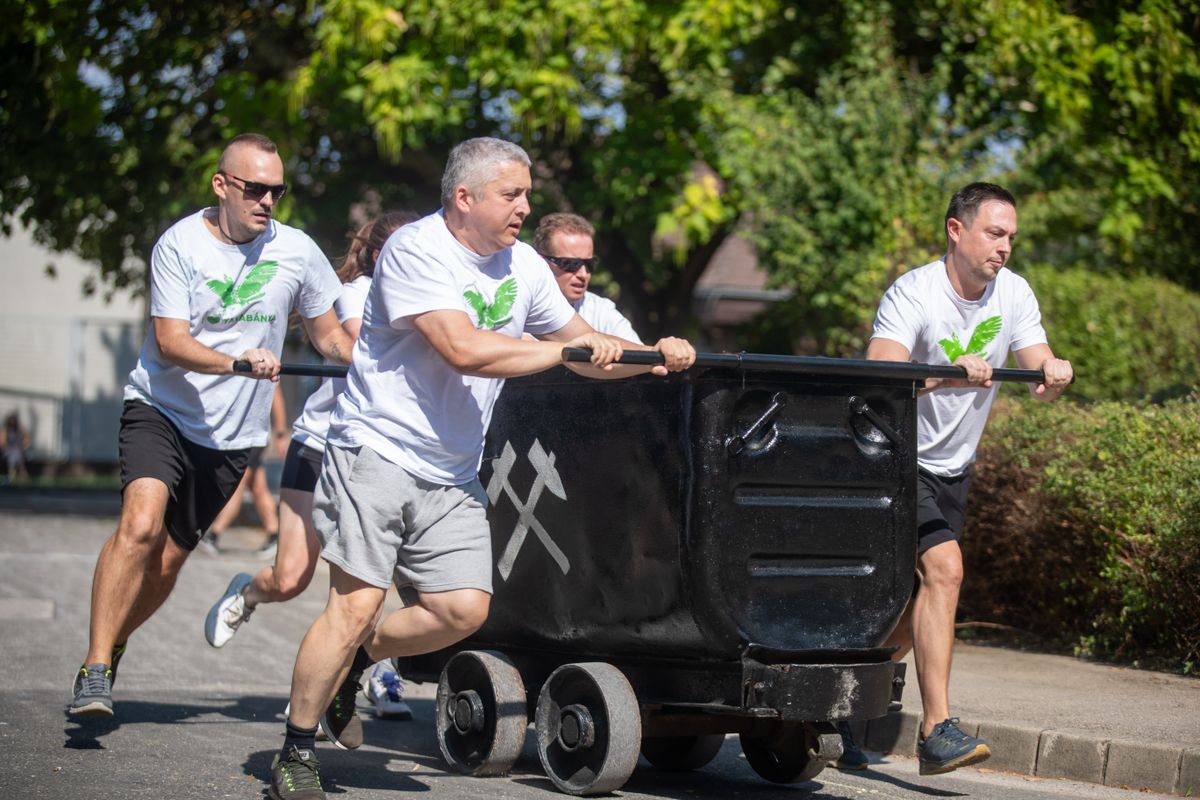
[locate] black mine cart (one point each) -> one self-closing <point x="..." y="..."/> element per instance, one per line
<point x="719" y="551"/>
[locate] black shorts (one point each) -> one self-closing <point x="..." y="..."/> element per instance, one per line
<point x="255" y="458"/>
<point x="941" y="508"/>
<point x="200" y="479"/>
<point x="301" y="468"/>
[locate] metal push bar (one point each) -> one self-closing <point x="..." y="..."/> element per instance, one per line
<point x="808" y="365"/>
<point x="816" y="365"/>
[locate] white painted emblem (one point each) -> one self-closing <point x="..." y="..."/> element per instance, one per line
<point x="547" y="478"/>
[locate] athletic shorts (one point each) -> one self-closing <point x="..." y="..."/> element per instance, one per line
<point x="381" y="524"/>
<point x="301" y="468"/>
<point x="941" y="508"/>
<point x="256" y="457"/>
<point x="200" y="479"/>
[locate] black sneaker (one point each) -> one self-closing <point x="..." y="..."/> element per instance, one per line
<point x="296" y="777"/>
<point x="852" y="757"/>
<point x="93" y="692"/>
<point x="341" y="723"/>
<point x="118" y="651"/>
<point x="947" y="748"/>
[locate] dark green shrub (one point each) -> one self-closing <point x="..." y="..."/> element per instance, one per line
<point x="1084" y="528"/>
<point x="1128" y="338"/>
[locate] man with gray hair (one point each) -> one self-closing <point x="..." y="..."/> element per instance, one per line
<point x="399" y="498"/>
<point x="565" y="241"/>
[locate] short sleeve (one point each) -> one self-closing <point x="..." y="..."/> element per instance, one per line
<point x="170" y="282"/>
<point x="899" y="318"/>
<point x="410" y="282"/>
<point x="353" y="299"/>
<point x="548" y="309"/>
<point x="1028" y="329"/>
<point x="321" y="285"/>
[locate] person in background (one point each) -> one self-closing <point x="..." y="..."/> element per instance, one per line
<point x="16" y="442"/>
<point x="566" y="242"/>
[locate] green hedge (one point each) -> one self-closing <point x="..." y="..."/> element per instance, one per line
<point x="1084" y="528"/>
<point x="1127" y="337"/>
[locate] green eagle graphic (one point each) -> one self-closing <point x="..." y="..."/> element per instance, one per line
<point x="494" y="315"/>
<point x="981" y="337"/>
<point x="252" y="287"/>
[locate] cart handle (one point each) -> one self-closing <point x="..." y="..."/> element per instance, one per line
<point x="314" y="370"/>
<point x="758" y="361"/>
<point x="818" y="365"/>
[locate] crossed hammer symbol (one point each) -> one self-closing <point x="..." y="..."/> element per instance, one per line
<point x="547" y="478"/>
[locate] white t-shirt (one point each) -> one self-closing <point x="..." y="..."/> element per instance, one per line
<point x="235" y="298"/>
<point x="601" y="313"/>
<point x="402" y="399"/>
<point x="922" y="311"/>
<point x="311" y="427"/>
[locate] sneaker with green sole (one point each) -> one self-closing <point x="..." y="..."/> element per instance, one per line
<point x="341" y="723"/>
<point x="296" y="777"/>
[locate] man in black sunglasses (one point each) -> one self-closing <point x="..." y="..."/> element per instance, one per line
<point x="222" y="284"/>
<point x="565" y="241"/>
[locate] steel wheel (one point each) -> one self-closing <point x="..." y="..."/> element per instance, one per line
<point x="787" y="756"/>
<point x="481" y="717"/>
<point x="589" y="728"/>
<point x="681" y="753"/>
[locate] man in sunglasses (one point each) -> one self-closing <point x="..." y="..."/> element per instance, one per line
<point x="399" y="498"/>
<point x="565" y="241"/>
<point x="222" y="283"/>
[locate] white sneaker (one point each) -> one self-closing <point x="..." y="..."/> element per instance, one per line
<point x="386" y="690"/>
<point x="208" y="545"/>
<point x="229" y="613"/>
<point x="268" y="549"/>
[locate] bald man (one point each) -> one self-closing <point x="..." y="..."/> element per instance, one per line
<point x="222" y="283"/>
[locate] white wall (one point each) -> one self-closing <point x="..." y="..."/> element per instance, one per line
<point x="64" y="357"/>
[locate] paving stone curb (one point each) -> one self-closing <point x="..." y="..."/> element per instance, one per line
<point x="1170" y="769"/>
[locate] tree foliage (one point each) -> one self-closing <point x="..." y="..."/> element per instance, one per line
<point x="1089" y="112"/>
<point x="832" y="134"/>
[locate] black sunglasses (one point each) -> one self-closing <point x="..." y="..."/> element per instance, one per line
<point x="255" y="190"/>
<point x="567" y="264"/>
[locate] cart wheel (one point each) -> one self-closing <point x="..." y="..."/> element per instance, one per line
<point x="785" y="757"/>
<point x="681" y="753"/>
<point x="481" y="717"/>
<point x="589" y="728"/>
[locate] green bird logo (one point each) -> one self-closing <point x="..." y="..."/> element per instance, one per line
<point x="981" y="337"/>
<point x="497" y="313"/>
<point x="252" y="287"/>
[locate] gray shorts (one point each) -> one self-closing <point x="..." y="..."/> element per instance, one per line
<point x="381" y="524"/>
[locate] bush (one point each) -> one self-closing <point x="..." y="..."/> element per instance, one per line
<point x="1084" y="528"/>
<point x="1127" y="338"/>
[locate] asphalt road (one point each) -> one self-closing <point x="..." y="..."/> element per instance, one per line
<point x="193" y="722"/>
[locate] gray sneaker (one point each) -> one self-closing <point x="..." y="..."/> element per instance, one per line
<point x="296" y="777"/>
<point x="93" y="692"/>
<point x="228" y="613"/>
<point x="948" y="748"/>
